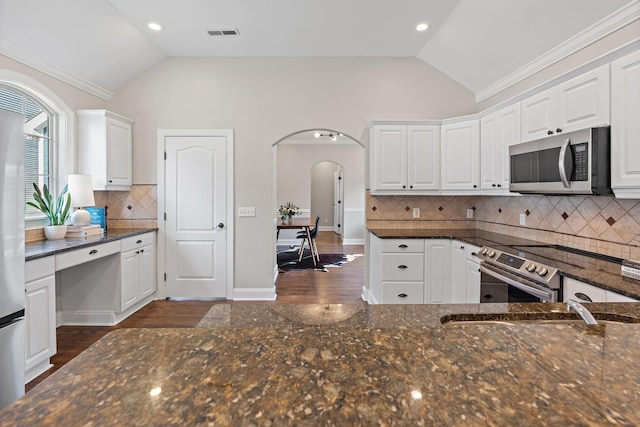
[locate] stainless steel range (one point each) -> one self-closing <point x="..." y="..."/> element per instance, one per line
<point x="510" y="274"/>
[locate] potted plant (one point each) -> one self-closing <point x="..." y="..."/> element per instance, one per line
<point x="56" y="210"/>
<point x="288" y="210"/>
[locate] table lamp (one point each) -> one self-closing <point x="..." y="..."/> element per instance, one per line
<point x="81" y="192"/>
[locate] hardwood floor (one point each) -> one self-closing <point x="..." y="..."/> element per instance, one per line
<point x="337" y="285"/>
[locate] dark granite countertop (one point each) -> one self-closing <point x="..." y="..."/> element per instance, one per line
<point x="286" y="364"/>
<point x="598" y="272"/>
<point x="45" y="248"/>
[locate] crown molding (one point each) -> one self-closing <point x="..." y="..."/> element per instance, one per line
<point x="18" y="54"/>
<point x="597" y="31"/>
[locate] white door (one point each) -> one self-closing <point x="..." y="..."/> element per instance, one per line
<point x="196" y="216"/>
<point x="338" y="202"/>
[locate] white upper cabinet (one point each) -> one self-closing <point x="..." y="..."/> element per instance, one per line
<point x="498" y="131"/>
<point x="625" y="126"/>
<point x="579" y="103"/>
<point x="105" y="149"/>
<point x="404" y="159"/>
<point x="461" y="155"/>
<point x="423" y="150"/>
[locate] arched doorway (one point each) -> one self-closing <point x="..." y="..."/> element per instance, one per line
<point x="294" y="158"/>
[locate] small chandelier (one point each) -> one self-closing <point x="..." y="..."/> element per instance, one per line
<point x="331" y="135"/>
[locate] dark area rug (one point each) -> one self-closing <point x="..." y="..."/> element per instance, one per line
<point x="288" y="260"/>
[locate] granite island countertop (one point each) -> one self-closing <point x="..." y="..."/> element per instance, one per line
<point x="289" y="364"/>
<point x="597" y="272"/>
<point x="45" y="248"/>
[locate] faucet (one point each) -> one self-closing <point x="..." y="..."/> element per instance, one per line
<point x="582" y="312"/>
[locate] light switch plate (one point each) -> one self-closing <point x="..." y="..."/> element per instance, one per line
<point x="469" y="213"/>
<point x="250" y="211"/>
<point x="416" y="212"/>
<point x="522" y="219"/>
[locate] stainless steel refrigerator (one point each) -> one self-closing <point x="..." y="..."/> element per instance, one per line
<point x="12" y="299"/>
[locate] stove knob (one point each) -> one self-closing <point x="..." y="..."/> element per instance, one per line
<point x="542" y="271"/>
<point x="492" y="253"/>
<point x="531" y="267"/>
<point x="484" y="251"/>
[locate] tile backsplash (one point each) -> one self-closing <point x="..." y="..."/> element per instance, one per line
<point x="130" y="209"/>
<point x="601" y="224"/>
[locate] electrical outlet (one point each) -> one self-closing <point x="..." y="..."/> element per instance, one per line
<point x="522" y="219"/>
<point x="250" y="211"/>
<point x="416" y="212"/>
<point x="469" y="213"/>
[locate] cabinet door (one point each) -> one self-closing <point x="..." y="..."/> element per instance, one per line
<point x="458" y="273"/>
<point x="389" y="166"/>
<point x="473" y="282"/>
<point x="625" y="126"/>
<point x="489" y="144"/>
<point x="128" y="279"/>
<point x="616" y="297"/>
<point x="461" y="155"/>
<point x="508" y="135"/>
<point x="538" y="115"/>
<point x="423" y="163"/>
<point x="583" y="102"/>
<point x="581" y="292"/>
<point x="119" y="153"/>
<point x="147" y="271"/>
<point x="40" y="315"/>
<point x="437" y="273"/>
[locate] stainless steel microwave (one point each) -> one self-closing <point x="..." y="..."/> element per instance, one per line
<point x="572" y="163"/>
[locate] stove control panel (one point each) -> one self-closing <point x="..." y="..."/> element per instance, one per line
<point x="533" y="270"/>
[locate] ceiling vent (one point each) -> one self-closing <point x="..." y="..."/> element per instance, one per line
<point x="232" y="32"/>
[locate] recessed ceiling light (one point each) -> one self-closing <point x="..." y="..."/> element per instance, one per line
<point x="154" y="26"/>
<point x="422" y="26"/>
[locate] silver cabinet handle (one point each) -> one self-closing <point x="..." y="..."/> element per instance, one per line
<point x="565" y="163"/>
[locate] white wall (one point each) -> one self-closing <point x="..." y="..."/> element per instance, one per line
<point x="266" y="99"/>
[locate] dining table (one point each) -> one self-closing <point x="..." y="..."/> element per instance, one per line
<point x="304" y="223"/>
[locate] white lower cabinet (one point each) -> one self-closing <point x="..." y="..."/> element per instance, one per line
<point x="422" y="271"/>
<point x="465" y="273"/>
<point x="437" y="272"/>
<point x="584" y="292"/>
<point x="40" y="315"/>
<point x="137" y="269"/>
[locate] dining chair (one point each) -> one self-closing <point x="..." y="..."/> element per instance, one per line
<point x="313" y="233"/>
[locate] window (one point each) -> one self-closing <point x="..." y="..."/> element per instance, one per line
<point x="37" y="151"/>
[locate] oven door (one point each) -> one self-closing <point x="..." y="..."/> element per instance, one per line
<point x="500" y="286"/>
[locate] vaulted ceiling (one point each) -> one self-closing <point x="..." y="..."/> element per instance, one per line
<point x="107" y="43"/>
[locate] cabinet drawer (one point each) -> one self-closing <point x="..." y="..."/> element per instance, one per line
<point x="38" y="268"/>
<point x="403" y="245"/>
<point x="404" y="267"/>
<point x="80" y="256"/>
<point x="138" y="241"/>
<point x="403" y="293"/>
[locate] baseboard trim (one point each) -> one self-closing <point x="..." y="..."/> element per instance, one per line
<point x="103" y="318"/>
<point x="368" y="296"/>
<point x="353" y="242"/>
<point x="254" y="294"/>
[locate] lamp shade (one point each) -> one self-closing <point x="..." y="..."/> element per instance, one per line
<point x="81" y="191"/>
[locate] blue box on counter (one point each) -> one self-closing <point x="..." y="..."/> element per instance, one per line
<point x="98" y="216"/>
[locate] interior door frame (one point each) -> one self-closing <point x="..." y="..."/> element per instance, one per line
<point x="230" y="224"/>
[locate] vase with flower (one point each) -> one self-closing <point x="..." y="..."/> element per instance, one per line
<point x="287" y="211"/>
